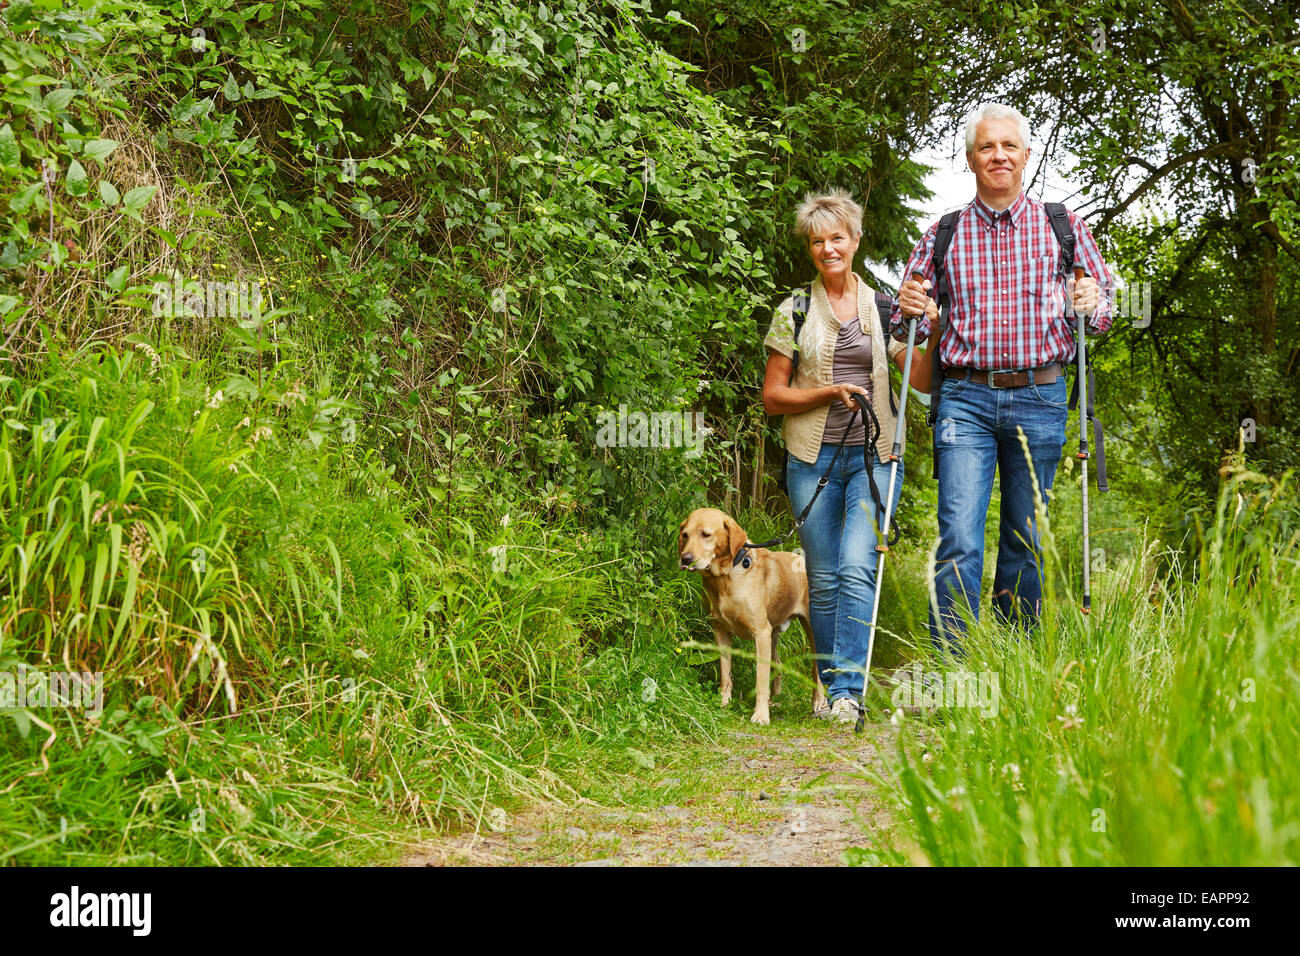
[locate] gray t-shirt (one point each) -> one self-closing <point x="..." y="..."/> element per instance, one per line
<point x="852" y="365"/>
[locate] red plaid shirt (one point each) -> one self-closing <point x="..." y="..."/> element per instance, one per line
<point x="1008" y="292"/>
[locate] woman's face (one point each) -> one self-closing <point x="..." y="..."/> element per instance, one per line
<point x="832" y="251"/>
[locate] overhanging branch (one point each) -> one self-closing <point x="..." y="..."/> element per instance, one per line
<point x="1156" y="176"/>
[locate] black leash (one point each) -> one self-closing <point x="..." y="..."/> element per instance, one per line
<point x="872" y="437"/>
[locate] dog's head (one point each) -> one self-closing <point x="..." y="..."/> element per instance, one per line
<point x="708" y="538"/>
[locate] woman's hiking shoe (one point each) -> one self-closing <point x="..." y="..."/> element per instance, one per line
<point x="844" y="711"/>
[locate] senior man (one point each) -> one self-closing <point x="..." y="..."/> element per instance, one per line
<point x="1008" y="335"/>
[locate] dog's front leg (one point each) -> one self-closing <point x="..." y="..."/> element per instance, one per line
<point x="723" y="639"/>
<point x="762" y="689"/>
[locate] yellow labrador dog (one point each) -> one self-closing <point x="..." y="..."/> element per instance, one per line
<point x="756" y="598"/>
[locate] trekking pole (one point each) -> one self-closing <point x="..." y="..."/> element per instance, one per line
<point x="1081" y="320"/>
<point x="882" y="544"/>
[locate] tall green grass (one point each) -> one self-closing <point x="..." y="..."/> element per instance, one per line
<point x="1164" y="729"/>
<point x="329" y="675"/>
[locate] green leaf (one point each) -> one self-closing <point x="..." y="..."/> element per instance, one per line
<point x="641" y="759"/>
<point x="22" y="201"/>
<point x="59" y="99"/>
<point x="75" y="182"/>
<point x="116" y="279"/>
<point x="10" y="154"/>
<point x="231" y="90"/>
<point x="99" y="149"/>
<point x="108" y="192"/>
<point x="136" y="199"/>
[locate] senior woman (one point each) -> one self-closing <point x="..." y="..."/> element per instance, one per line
<point x="842" y="351"/>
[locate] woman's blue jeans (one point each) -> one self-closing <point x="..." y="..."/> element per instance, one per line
<point x="975" y="434"/>
<point x="839" y="545"/>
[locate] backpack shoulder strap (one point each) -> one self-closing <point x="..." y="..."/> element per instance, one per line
<point x="802" y="299"/>
<point x="884" y="307"/>
<point x="1059" y="217"/>
<point x="939" y="255"/>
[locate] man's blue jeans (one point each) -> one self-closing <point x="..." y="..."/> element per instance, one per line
<point x="975" y="433"/>
<point x="839" y="545"/>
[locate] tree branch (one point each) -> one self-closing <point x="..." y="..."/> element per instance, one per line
<point x="1159" y="174"/>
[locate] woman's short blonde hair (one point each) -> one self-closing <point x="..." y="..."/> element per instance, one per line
<point x="826" y="212"/>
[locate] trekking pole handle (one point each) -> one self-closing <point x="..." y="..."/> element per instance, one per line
<point x="1079" y="273"/>
<point x="919" y="278"/>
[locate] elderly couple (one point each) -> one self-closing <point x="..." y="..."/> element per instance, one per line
<point x="1008" y="313"/>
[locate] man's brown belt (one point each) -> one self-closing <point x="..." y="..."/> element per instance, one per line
<point x="1042" y="376"/>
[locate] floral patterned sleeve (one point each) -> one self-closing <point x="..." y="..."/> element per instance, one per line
<point x="780" y="337"/>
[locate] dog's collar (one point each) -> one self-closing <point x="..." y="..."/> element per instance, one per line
<point x="743" y="558"/>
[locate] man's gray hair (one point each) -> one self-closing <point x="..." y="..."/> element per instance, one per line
<point x="996" y="111"/>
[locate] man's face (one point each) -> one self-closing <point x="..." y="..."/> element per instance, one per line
<point x="998" y="157"/>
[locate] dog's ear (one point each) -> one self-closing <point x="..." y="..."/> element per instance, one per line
<point x="735" y="538"/>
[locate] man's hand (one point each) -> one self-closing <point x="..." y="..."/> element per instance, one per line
<point x="1085" y="296"/>
<point x="912" y="298"/>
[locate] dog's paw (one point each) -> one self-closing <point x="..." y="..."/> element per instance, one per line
<point x="776" y="686"/>
<point x="761" y="718"/>
<point x="725" y="700"/>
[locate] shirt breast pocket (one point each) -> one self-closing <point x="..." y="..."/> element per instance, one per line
<point x="1040" y="279"/>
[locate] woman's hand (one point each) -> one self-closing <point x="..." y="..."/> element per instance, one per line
<point x="845" y="391"/>
<point x="779" y="398"/>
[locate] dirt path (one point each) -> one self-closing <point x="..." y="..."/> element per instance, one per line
<point x="787" y="795"/>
